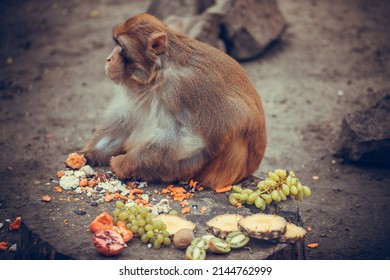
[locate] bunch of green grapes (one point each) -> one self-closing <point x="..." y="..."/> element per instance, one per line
<point x="277" y="187"/>
<point x="142" y="223"/>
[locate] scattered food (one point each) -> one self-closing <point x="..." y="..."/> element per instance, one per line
<point x="195" y="253"/>
<point x="46" y="198"/>
<point x="183" y="238"/>
<point x="312" y="245"/>
<point x="15" y="225"/>
<point x="218" y="246"/>
<point x="75" y="161"/>
<point x="108" y="242"/>
<point x="222" y="225"/>
<point x="3" y="246"/>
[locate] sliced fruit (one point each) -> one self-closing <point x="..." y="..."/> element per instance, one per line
<point x="175" y="223"/>
<point x="103" y="221"/>
<point x="263" y="226"/>
<point x="201" y="243"/>
<point x="222" y="225"/>
<point x="108" y="242"/>
<point x="218" y="246"/>
<point x="195" y="253"/>
<point x="293" y="234"/>
<point x="237" y="239"/>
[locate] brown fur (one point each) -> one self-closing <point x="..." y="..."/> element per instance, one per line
<point x="181" y="87"/>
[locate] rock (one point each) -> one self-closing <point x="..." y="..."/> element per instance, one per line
<point x="184" y="8"/>
<point x="251" y="26"/>
<point x="69" y="182"/>
<point x="365" y="134"/>
<point x="87" y="169"/>
<point x="244" y="29"/>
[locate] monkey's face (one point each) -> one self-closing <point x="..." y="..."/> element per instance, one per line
<point x="115" y="64"/>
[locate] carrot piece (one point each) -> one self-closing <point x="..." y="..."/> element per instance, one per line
<point x="185" y="210"/>
<point x="165" y="191"/>
<point x="92" y="183"/>
<point x="60" y="173"/>
<point x="130" y="196"/>
<point x="46" y="198"/>
<point x="83" y="183"/>
<point x="108" y="197"/>
<point x="136" y="191"/>
<point x="15" y="225"/>
<point x="203" y="210"/>
<point x="3" y="246"/>
<point x="223" y="189"/>
<point x="116" y="195"/>
<point x="309" y="229"/>
<point x="238" y="205"/>
<point x="184" y="203"/>
<point x="312" y="245"/>
<point x="58" y="189"/>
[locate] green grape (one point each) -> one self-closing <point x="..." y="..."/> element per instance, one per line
<point x="291" y="174"/>
<point x="275" y="196"/>
<point x="243" y="197"/>
<point x="247" y="191"/>
<point x="129" y="225"/>
<point x="164" y="227"/>
<point x="123" y="215"/>
<point x="160" y="237"/>
<point x="299" y="196"/>
<point x="150" y="234"/>
<point x="282" y="195"/>
<point x="236" y="195"/>
<point x="134" y="222"/>
<point x="260" y="203"/>
<point x="157" y="244"/>
<point x="139" y="217"/>
<point x="165" y="233"/>
<point x="148" y="227"/>
<point x="144" y="212"/>
<point x="141" y="223"/>
<point x="131" y="217"/>
<point x="273" y="176"/>
<point x="158" y="224"/>
<point x="252" y="197"/>
<point x="115" y="219"/>
<point x="288" y="180"/>
<point x="281" y="173"/>
<point x="144" y="239"/>
<point x="306" y="191"/>
<point x="173" y="213"/>
<point x="261" y="185"/>
<point x="270" y="183"/>
<point x="167" y="241"/>
<point x="237" y="188"/>
<point x="133" y="210"/>
<point x="267" y="198"/>
<point x="134" y="228"/>
<point x="300" y="187"/>
<point x="152" y="239"/>
<point x="232" y="200"/>
<point x="285" y="189"/>
<point x="119" y="204"/>
<point x="294" y="181"/>
<point x="148" y="220"/>
<point x="141" y="230"/>
<point x="116" y="212"/>
<point x="293" y="190"/>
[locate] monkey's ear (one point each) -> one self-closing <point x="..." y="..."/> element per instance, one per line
<point x="158" y="43"/>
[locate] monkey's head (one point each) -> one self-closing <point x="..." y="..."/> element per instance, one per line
<point x="138" y="43"/>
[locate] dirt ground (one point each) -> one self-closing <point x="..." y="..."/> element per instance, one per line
<point x="333" y="57"/>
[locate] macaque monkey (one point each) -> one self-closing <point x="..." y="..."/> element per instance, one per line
<point x="186" y="110"/>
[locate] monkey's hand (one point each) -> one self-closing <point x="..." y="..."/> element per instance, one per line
<point x="121" y="166"/>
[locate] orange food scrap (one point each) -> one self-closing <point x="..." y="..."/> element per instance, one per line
<point x="92" y="183"/>
<point x="46" y="198"/>
<point x="60" y="173"/>
<point x="121" y="228"/>
<point x="66" y="221"/>
<point x="75" y="161"/>
<point x="83" y="183"/>
<point x="102" y="222"/>
<point x="238" y="205"/>
<point x="203" y="210"/>
<point x="185" y="210"/>
<point x="3" y="246"/>
<point x="109" y="197"/>
<point x="15" y="225"/>
<point x="312" y="245"/>
<point x="309" y="229"/>
<point x="58" y="189"/>
<point x="223" y="189"/>
<point x="184" y="203"/>
<point x="136" y="191"/>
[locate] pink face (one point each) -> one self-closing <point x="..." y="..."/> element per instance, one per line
<point x="115" y="64"/>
